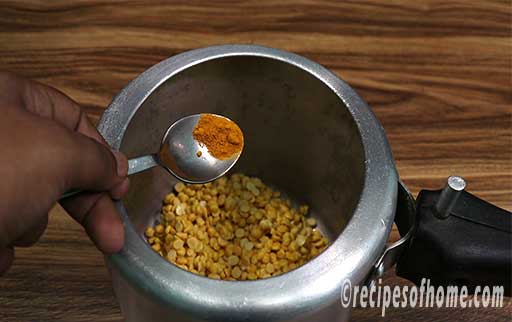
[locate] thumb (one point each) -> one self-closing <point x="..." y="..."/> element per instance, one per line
<point x="93" y="166"/>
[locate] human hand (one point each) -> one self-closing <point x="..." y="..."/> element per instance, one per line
<point x="49" y="147"/>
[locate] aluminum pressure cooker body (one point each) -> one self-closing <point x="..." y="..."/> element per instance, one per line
<point x="306" y="132"/>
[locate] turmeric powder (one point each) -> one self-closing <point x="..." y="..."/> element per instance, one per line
<point x="222" y="137"/>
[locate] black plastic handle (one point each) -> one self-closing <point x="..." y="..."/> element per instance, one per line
<point x="459" y="239"/>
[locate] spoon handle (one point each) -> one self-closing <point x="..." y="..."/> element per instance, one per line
<point x="135" y="165"/>
<point x="142" y="163"/>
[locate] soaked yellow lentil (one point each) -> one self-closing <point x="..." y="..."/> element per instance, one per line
<point x="234" y="228"/>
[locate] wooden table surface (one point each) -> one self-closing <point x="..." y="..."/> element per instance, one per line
<point x="436" y="73"/>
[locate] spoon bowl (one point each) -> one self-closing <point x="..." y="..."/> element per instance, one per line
<point x="186" y="158"/>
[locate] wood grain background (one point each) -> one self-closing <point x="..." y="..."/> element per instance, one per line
<point x="436" y="73"/>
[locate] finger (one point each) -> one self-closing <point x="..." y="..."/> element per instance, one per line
<point x="80" y="206"/>
<point x="6" y="259"/>
<point x="33" y="233"/>
<point x="104" y="226"/>
<point x="11" y="89"/>
<point x="52" y="104"/>
<point x="98" y="215"/>
<point x="44" y="101"/>
<point x="48" y="102"/>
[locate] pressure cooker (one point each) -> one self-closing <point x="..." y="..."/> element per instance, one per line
<point x="310" y="134"/>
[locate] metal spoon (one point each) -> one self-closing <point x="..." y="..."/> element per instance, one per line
<point x="179" y="155"/>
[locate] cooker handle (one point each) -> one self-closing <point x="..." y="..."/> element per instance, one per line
<point x="404" y="219"/>
<point x="457" y="239"/>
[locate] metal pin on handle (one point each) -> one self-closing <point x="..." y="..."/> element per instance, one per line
<point x="451" y="192"/>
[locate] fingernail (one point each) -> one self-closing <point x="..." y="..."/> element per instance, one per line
<point x="121" y="162"/>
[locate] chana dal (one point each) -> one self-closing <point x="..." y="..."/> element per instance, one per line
<point x="234" y="228"/>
